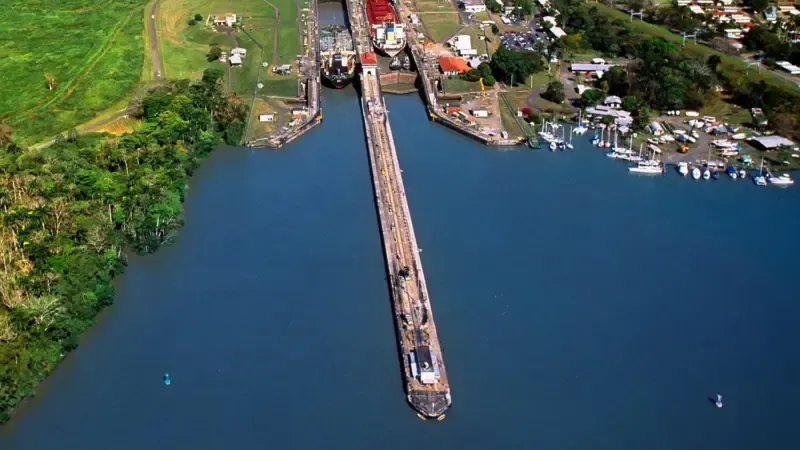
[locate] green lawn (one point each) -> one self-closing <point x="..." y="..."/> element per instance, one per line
<point x="184" y="47"/>
<point x="440" y="26"/>
<point x="458" y="85"/>
<point x="93" y="48"/>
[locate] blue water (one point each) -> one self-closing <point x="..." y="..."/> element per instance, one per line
<point x="579" y="307"/>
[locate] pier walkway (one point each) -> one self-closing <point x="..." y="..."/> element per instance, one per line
<point x="421" y="355"/>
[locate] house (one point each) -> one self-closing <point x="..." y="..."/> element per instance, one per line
<point x="771" y="14"/>
<point x="557" y="32"/>
<point x="242" y="52"/>
<point x="266" y="117"/>
<point x="733" y="33"/>
<point x="621" y="117"/>
<point x="235" y="60"/>
<point x="655" y="128"/>
<point x="549" y="19"/>
<point x="473" y="6"/>
<point x="480" y="113"/>
<point x="740" y="18"/>
<point x="696" y="10"/>
<point x="612" y="101"/>
<point x="452" y="66"/>
<point x="475" y="62"/>
<point x="227" y="20"/>
<point x="452" y="109"/>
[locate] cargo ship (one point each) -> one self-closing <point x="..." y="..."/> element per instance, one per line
<point x="387" y="32"/>
<point x="337" y="55"/>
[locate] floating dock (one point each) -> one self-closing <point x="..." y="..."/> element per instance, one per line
<point x="423" y="365"/>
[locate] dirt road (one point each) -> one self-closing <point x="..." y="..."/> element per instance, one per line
<point x="155" y="56"/>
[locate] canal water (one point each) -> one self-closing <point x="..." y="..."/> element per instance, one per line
<point x="579" y="307"/>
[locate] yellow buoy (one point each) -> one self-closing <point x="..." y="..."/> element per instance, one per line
<point x="421" y="416"/>
<point x="440" y="418"/>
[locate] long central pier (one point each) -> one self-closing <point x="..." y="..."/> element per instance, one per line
<point x="421" y="355"/>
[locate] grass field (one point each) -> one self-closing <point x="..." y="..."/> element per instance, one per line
<point x="458" y="85"/>
<point x="184" y="47"/>
<point x="439" y="17"/>
<point x="92" y="48"/>
<point x="440" y="26"/>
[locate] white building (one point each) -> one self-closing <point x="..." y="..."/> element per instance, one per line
<point x="462" y="44"/>
<point x="235" y="60"/>
<point x="473" y="6"/>
<point x="557" y="32"/>
<point x="266" y="117"/>
<point x="696" y="10"/>
<point x="612" y="101"/>
<point x="239" y="51"/>
<point x="480" y="113"/>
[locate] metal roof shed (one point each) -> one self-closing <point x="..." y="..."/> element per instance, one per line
<point x="771" y="142"/>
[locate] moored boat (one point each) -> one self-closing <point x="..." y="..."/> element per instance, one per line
<point x="696" y="173"/>
<point x="683" y="168"/>
<point x="387" y="31"/>
<point x="781" y="180"/>
<point x="337" y="55"/>
<point x="732" y="172"/>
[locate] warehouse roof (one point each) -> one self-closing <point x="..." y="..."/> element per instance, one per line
<point x="770" y="142"/>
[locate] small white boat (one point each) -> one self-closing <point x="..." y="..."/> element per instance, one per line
<point x="569" y="144"/>
<point x="644" y="167"/>
<point x="696" y="173"/>
<point x="695" y="134"/>
<point x="718" y="402"/>
<point x="553" y="146"/>
<point x="742" y="174"/>
<point x="706" y="174"/>
<point x="739" y="136"/>
<point x="760" y="179"/>
<point x="683" y="168"/>
<point x="782" y="180"/>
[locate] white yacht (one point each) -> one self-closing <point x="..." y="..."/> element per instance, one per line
<point x="649" y="167"/>
<point x="696" y="173"/>
<point x="781" y="180"/>
<point x="683" y="168"/>
<point x="706" y="174"/>
<point x="553" y="146"/>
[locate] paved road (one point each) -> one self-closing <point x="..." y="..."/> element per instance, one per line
<point x="155" y="56"/>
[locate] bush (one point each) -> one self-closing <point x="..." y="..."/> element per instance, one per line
<point x="192" y="22"/>
<point x="473" y="75"/>
<point x="214" y="53"/>
<point x="489" y="80"/>
<point x="198" y="17"/>
<point x="555" y="92"/>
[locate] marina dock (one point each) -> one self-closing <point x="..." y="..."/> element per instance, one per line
<point x="424" y="373"/>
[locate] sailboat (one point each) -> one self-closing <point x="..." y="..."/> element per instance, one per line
<point x="648" y="166"/>
<point x="580" y="129"/>
<point x="718" y="402"/>
<point x="602" y="142"/>
<point x="561" y="143"/>
<point x="760" y="179"/>
<point x="569" y="144"/>
<point x="707" y="172"/>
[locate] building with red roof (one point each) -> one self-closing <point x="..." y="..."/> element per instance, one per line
<point x="452" y="66"/>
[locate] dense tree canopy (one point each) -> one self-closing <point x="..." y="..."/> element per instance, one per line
<point x="515" y="66"/>
<point x="68" y="211"/>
